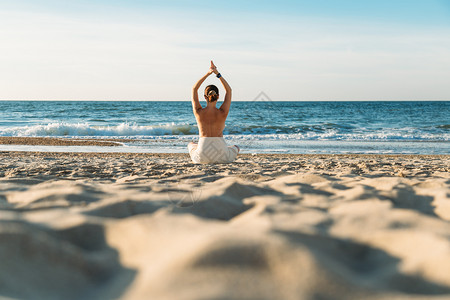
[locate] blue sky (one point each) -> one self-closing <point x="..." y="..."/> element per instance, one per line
<point x="291" y="50"/>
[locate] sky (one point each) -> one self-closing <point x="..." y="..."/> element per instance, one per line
<point x="301" y="50"/>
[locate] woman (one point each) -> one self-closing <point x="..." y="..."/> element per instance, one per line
<point x="211" y="147"/>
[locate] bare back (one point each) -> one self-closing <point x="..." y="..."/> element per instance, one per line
<point x="211" y="121"/>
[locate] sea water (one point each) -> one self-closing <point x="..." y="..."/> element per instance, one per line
<point x="403" y="127"/>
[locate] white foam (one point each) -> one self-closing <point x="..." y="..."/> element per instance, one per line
<point x="84" y="129"/>
<point x="182" y="131"/>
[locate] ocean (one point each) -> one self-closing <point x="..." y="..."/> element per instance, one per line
<point x="403" y="127"/>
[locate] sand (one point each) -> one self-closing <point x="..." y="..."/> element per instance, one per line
<point x="156" y="226"/>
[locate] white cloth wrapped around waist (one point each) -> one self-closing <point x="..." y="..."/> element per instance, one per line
<point x="212" y="150"/>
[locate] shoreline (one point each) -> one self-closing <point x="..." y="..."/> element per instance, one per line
<point x="126" y="145"/>
<point x="53" y="141"/>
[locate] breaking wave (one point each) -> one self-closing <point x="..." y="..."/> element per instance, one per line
<point x="326" y="131"/>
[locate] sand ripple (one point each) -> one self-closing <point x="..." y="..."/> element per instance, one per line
<point x="156" y="226"/>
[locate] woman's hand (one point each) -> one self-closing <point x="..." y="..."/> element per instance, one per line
<point x="213" y="69"/>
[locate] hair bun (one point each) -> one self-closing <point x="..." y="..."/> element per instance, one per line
<point x="211" y="93"/>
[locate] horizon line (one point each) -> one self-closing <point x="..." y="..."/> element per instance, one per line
<point x="118" y="100"/>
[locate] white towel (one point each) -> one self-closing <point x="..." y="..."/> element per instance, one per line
<point x="212" y="150"/>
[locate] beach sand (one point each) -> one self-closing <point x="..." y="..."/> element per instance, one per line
<point x="157" y="226"/>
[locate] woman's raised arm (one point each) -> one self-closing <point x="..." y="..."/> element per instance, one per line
<point x="225" y="107"/>
<point x="196" y="106"/>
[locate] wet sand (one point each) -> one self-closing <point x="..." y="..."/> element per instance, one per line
<point x="44" y="141"/>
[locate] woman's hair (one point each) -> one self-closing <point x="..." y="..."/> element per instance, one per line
<point x="212" y="93"/>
